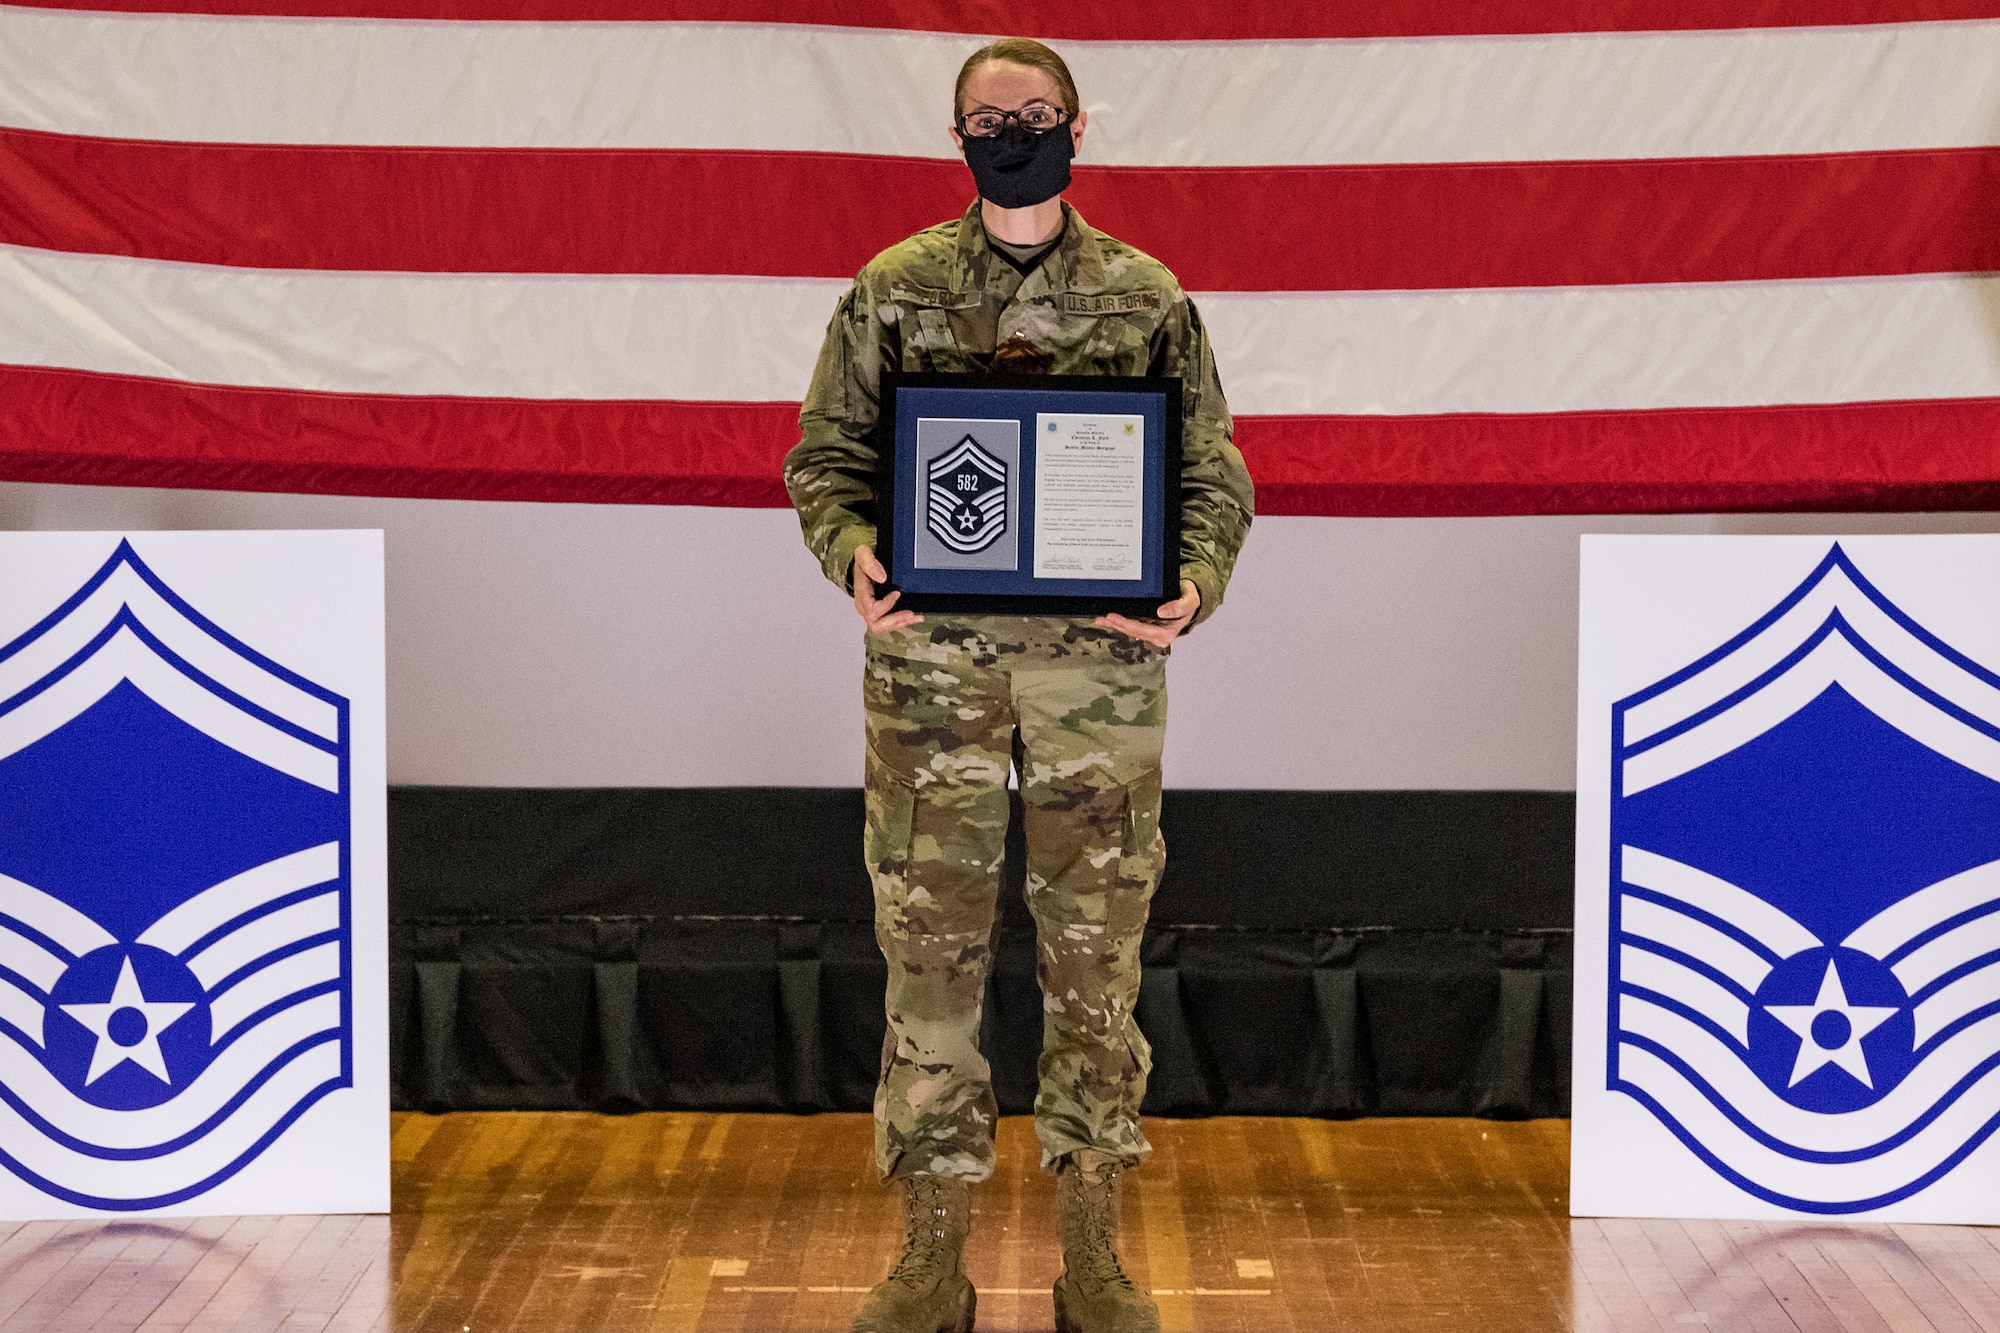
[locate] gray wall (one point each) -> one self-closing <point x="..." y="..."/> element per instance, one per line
<point x="576" y="645"/>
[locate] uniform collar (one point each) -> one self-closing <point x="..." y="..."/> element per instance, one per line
<point x="1076" y="264"/>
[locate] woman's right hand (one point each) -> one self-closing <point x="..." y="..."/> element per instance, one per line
<point x="880" y="614"/>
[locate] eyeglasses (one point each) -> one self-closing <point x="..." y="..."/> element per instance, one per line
<point x="1039" y="118"/>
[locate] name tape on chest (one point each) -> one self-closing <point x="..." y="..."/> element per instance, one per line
<point x="1121" y="303"/>
<point x="936" y="298"/>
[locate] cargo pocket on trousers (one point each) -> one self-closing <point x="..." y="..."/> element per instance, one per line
<point x="1136" y="1043"/>
<point x="1142" y="851"/>
<point x="891" y="813"/>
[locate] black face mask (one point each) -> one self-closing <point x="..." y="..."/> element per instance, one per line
<point x="1018" y="168"/>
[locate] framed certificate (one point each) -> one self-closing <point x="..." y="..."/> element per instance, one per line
<point x="1030" y="494"/>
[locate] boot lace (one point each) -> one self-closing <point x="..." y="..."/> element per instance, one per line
<point x="926" y="1236"/>
<point x="1095" y="1254"/>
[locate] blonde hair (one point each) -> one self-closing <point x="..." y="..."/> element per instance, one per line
<point x="1018" y="51"/>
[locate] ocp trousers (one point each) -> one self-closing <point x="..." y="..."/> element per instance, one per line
<point x="1081" y="712"/>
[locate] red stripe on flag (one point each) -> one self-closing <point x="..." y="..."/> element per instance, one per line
<point x="76" y="426"/>
<point x="1220" y="229"/>
<point x="468" y="210"/>
<point x="1127" y="20"/>
<point x="1552" y="224"/>
<point x="73" y="426"/>
<point x="1932" y="455"/>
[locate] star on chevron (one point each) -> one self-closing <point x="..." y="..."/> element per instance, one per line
<point x="138" y="1023"/>
<point x="1835" y="1042"/>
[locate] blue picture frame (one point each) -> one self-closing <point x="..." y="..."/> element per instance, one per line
<point x="992" y="571"/>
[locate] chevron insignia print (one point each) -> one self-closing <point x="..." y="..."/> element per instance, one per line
<point x="1805" y="901"/>
<point x="966" y="503"/>
<point x="175" y="941"/>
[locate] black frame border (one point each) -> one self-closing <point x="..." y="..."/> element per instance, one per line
<point x="889" y="469"/>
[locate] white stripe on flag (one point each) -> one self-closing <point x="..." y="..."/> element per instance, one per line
<point x="700" y="338"/>
<point x="816" y="89"/>
<point x="755" y="339"/>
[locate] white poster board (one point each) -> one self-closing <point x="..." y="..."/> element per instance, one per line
<point x="193" y="874"/>
<point x="1788" y="878"/>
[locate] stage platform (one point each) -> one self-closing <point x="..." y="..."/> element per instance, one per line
<point x="1324" y="954"/>
<point x="678" y="1222"/>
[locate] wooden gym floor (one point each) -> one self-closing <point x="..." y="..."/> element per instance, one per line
<point x="770" y="1223"/>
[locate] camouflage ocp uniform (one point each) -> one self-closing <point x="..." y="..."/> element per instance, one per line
<point x="952" y="702"/>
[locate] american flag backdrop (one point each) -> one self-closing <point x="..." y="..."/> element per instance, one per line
<point x="1456" y="256"/>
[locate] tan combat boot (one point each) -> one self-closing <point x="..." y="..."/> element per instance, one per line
<point x="1094" y="1295"/>
<point x="927" y="1291"/>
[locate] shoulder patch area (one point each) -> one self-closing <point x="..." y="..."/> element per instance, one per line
<point x="923" y="260"/>
<point x="1121" y="273"/>
<point x="1128" y="266"/>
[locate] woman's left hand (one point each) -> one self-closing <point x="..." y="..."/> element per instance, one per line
<point x="1174" y="617"/>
